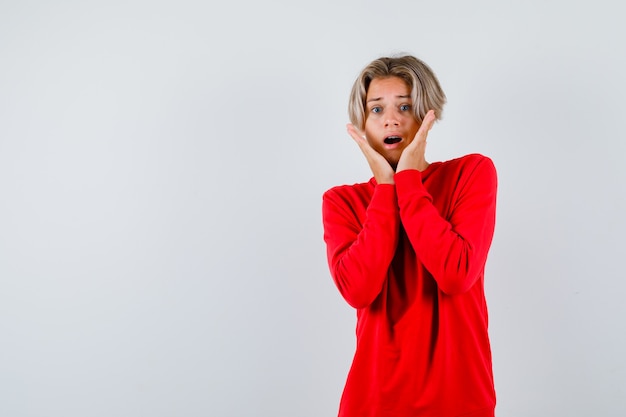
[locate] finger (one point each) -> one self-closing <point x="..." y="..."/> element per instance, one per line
<point x="422" y="132"/>
<point x="356" y="134"/>
<point x="427" y="123"/>
<point x="361" y="140"/>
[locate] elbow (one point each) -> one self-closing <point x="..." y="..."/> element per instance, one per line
<point x="358" y="291"/>
<point x="357" y="296"/>
<point x="460" y="273"/>
<point x="359" y="301"/>
<point x="455" y="285"/>
<point x="459" y="282"/>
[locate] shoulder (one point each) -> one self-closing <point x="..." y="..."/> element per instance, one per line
<point x="470" y="160"/>
<point x="345" y="191"/>
<point x="469" y="165"/>
<point x="468" y="172"/>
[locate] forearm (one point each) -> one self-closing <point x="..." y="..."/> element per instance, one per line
<point x="359" y="254"/>
<point x="454" y="249"/>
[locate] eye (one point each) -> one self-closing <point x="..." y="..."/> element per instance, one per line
<point x="376" y="109"/>
<point x="405" y="107"/>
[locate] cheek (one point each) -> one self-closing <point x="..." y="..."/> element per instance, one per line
<point x="412" y="132"/>
<point x="370" y="136"/>
<point x="370" y="128"/>
<point x="368" y="133"/>
<point x="371" y="139"/>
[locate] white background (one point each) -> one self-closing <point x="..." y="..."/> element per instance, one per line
<point x="161" y="171"/>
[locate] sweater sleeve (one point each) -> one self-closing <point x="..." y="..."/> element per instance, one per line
<point x="453" y="249"/>
<point x="360" y="251"/>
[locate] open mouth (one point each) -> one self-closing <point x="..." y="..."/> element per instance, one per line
<point x="390" y="140"/>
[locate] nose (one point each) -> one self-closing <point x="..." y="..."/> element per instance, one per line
<point x="392" y="119"/>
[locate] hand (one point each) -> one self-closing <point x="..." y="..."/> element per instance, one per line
<point x="413" y="156"/>
<point x="383" y="172"/>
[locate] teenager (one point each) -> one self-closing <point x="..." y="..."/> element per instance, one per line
<point x="407" y="250"/>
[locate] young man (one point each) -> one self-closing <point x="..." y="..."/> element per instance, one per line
<point x="407" y="250"/>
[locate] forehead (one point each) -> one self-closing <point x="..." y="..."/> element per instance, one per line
<point x="388" y="87"/>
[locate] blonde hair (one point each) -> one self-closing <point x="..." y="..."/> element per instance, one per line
<point x="426" y="92"/>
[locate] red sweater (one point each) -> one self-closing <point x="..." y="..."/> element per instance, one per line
<point x="410" y="258"/>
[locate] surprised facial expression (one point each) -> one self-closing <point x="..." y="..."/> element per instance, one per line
<point x="390" y="124"/>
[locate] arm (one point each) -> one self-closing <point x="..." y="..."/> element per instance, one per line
<point x="454" y="251"/>
<point x="359" y="255"/>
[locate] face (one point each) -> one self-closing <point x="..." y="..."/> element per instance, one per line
<point x="390" y="124"/>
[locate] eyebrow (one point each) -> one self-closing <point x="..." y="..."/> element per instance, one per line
<point x="380" y="98"/>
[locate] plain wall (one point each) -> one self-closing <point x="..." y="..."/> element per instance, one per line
<point x="161" y="172"/>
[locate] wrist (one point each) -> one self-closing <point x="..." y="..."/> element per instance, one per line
<point x="420" y="166"/>
<point x="384" y="179"/>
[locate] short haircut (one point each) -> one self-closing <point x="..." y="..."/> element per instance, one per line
<point x="426" y="92"/>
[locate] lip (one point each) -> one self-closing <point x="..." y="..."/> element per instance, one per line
<point x="392" y="146"/>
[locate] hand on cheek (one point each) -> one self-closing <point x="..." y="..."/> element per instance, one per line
<point x="413" y="156"/>
<point x="383" y="172"/>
